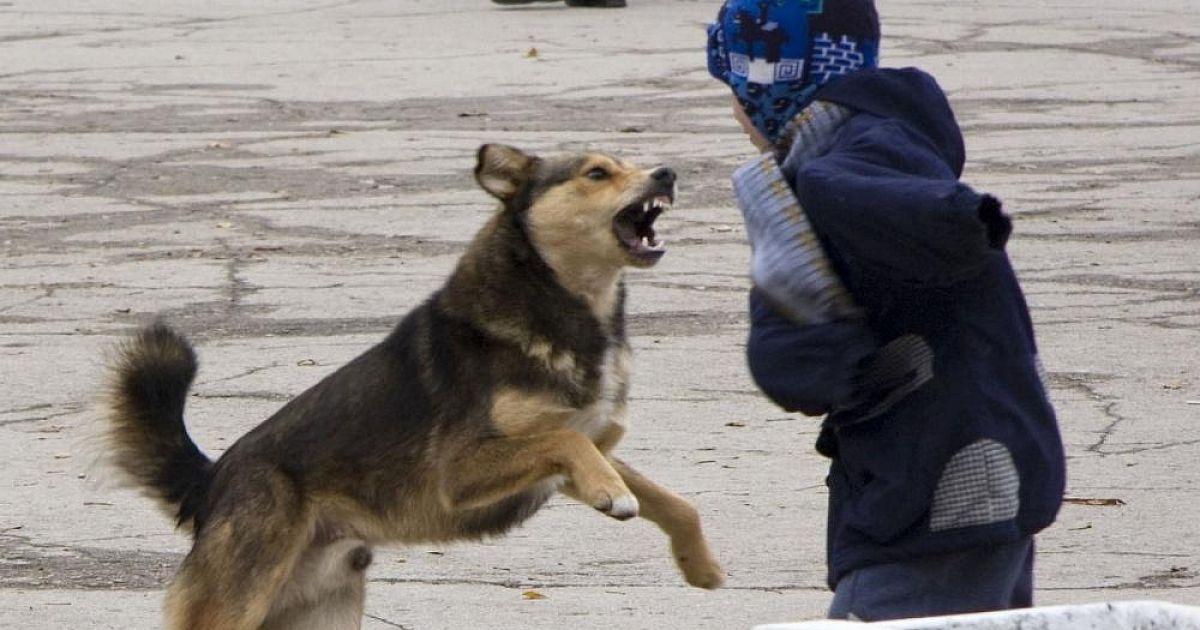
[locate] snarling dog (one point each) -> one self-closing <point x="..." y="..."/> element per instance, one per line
<point x="507" y="385"/>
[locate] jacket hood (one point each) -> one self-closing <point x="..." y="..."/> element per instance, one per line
<point x="908" y="95"/>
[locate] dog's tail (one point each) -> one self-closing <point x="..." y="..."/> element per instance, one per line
<point x="146" y="437"/>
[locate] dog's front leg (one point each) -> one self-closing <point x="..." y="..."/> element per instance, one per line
<point x="500" y="467"/>
<point x="679" y="519"/>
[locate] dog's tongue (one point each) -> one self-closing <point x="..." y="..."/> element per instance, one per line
<point x="641" y="246"/>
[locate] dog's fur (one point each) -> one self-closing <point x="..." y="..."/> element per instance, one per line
<point x="506" y="385"/>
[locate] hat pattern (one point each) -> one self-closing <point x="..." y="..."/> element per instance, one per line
<point x="774" y="54"/>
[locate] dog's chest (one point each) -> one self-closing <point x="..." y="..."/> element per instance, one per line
<point x="613" y="387"/>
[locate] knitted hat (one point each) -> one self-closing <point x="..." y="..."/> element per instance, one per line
<point x="776" y="53"/>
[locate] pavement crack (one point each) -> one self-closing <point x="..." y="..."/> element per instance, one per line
<point x="1115" y="420"/>
<point x="253" y="395"/>
<point x="243" y="374"/>
<point x="37" y="407"/>
<point x="237" y="287"/>
<point x="386" y="622"/>
<point x="1084" y="383"/>
<point x="1155" y="447"/>
<point x="47" y="566"/>
<point x="69" y="411"/>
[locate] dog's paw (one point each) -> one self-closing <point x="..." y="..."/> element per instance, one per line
<point x="622" y="508"/>
<point x="698" y="566"/>
<point x="706" y="574"/>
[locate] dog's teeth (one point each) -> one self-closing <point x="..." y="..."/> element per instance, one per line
<point x="645" y="206"/>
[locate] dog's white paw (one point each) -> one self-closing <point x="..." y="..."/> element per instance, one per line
<point x="623" y="507"/>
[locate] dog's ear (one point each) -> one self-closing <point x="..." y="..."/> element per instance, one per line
<point x="502" y="170"/>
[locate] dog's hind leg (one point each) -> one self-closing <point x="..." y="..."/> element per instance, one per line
<point x="244" y="553"/>
<point x="679" y="519"/>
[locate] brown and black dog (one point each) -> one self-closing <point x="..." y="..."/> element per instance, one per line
<point x="507" y="385"/>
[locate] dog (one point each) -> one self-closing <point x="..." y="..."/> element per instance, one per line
<point x="505" y="386"/>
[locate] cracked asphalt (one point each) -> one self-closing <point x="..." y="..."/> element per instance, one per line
<point x="284" y="179"/>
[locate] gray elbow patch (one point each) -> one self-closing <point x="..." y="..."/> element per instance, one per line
<point x="979" y="486"/>
<point x="897" y="370"/>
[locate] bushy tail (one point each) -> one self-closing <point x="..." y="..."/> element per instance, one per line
<point x="150" y="379"/>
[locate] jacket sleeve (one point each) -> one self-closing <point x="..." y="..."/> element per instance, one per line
<point x="810" y="369"/>
<point x="891" y="206"/>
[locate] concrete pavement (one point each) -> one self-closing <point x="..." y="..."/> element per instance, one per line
<point x="283" y="179"/>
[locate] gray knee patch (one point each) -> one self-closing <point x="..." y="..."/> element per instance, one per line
<point x="360" y="558"/>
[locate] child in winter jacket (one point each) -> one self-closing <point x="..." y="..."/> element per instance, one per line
<point x="884" y="300"/>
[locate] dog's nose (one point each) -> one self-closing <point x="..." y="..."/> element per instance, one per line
<point x="664" y="174"/>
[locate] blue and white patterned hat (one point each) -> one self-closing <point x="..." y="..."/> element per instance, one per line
<point x="774" y="54"/>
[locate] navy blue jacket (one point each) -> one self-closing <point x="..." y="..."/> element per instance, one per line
<point x="923" y="255"/>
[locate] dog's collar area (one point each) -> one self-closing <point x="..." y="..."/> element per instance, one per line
<point x="634" y="228"/>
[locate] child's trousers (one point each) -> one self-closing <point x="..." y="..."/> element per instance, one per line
<point x="974" y="580"/>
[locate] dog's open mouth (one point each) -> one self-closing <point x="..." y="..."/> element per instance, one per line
<point x="634" y="228"/>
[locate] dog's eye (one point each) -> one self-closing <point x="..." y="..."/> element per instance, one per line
<point x="597" y="174"/>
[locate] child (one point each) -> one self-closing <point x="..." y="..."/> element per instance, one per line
<point x="883" y="297"/>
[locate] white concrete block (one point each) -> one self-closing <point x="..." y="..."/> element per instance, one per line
<point x="1140" y="615"/>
